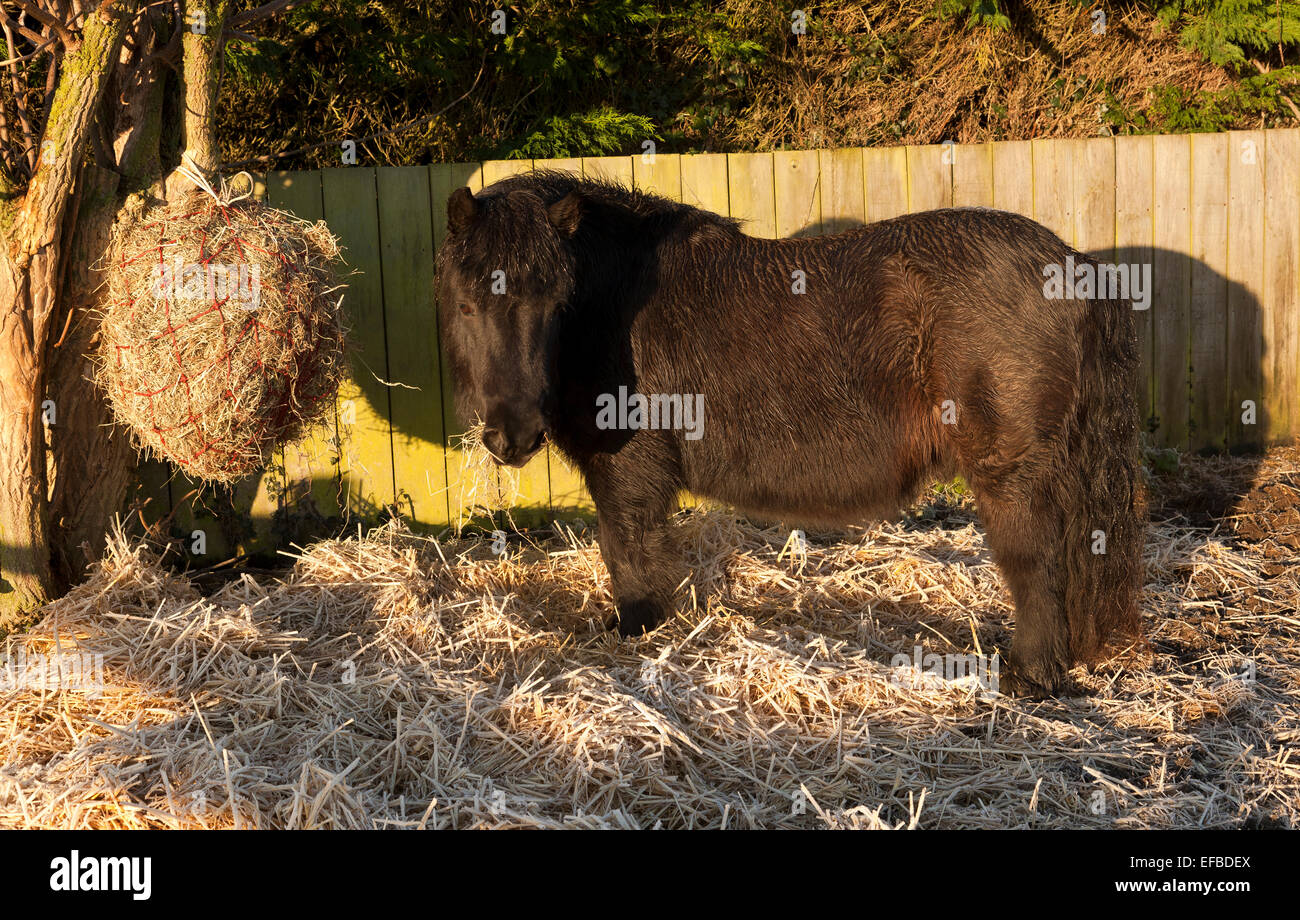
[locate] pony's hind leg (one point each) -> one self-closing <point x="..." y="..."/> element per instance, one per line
<point x="636" y="545"/>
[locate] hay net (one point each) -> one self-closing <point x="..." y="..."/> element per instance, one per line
<point x="223" y="332"/>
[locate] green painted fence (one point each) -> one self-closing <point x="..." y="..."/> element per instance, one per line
<point x="1217" y="216"/>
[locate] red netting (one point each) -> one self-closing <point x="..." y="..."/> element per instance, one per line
<point x="223" y="333"/>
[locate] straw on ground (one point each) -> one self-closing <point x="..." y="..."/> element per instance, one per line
<point x="398" y="681"/>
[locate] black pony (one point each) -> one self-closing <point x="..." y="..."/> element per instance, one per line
<point x="822" y="380"/>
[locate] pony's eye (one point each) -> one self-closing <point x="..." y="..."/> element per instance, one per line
<point x="466" y="308"/>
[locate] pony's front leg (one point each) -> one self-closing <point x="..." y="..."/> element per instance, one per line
<point x="642" y="558"/>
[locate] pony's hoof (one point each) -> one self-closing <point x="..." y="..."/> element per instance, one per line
<point x="1053" y="685"/>
<point x="635" y="618"/>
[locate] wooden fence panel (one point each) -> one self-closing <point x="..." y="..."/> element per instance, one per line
<point x="311" y="465"/>
<point x="843" y="198"/>
<point x="414" y="364"/>
<point x="608" y="169"/>
<point x="1209" y="300"/>
<point x="797" y="193"/>
<point x="568" y="164"/>
<point x="884" y="177"/>
<point x="1172" y="284"/>
<point x="1093" y="163"/>
<point x="659" y="173"/>
<point x="1245" y="269"/>
<point x="1280" y="285"/>
<point x="752" y="192"/>
<point x="704" y="182"/>
<point x="1053" y="179"/>
<point x="929" y="177"/>
<point x="366" y="456"/>
<point x="1013" y="177"/>
<point x="972" y="176"/>
<point x="1133" y="229"/>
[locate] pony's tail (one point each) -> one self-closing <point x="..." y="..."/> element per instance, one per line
<point x="1105" y="517"/>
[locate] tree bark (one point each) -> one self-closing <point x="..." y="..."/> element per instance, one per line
<point x="30" y="275"/>
<point x="93" y="460"/>
<point x="201" y="73"/>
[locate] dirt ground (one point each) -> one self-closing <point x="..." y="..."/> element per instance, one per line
<point x="398" y="681"/>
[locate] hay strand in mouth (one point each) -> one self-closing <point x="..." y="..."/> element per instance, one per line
<point x="485" y="487"/>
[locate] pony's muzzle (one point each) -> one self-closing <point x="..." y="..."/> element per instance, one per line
<point x="513" y="445"/>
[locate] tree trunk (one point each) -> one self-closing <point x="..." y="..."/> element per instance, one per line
<point x="24" y="555"/>
<point x="92" y="460"/>
<point x="30" y="275"/>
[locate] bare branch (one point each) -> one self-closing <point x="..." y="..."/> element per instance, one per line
<point x="45" y="46"/>
<point x="35" y="38"/>
<point x="263" y="12"/>
<point x="48" y="19"/>
<point x="4" y="134"/>
<point x="29" y="136"/>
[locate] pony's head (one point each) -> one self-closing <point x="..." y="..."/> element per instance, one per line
<point x="505" y="271"/>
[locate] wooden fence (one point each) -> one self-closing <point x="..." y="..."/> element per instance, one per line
<point x="1217" y="216"/>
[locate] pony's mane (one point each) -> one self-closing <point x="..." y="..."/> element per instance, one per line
<point x="552" y="185"/>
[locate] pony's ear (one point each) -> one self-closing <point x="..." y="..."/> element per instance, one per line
<point x="566" y="213"/>
<point x="462" y="207"/>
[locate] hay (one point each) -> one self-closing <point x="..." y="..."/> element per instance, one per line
<point x="396" y="681"/>
<point x="483" y="489"/>
<point x="223" y="333"/>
